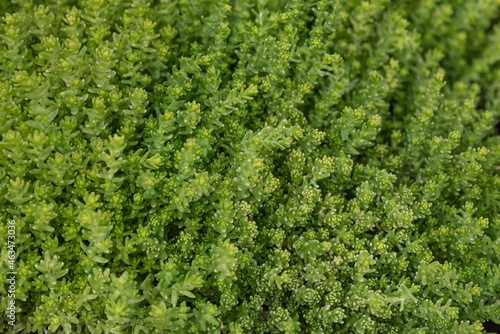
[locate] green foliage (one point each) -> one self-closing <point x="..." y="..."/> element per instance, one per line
<point x="248" y="166"/>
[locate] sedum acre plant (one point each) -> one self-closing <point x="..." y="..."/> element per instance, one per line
<point x="249" y="166"/>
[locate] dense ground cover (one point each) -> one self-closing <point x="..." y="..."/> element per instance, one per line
<point x="250" y="166"/>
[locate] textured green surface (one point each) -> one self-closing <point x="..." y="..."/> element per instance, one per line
<point x="250" y="166"/>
